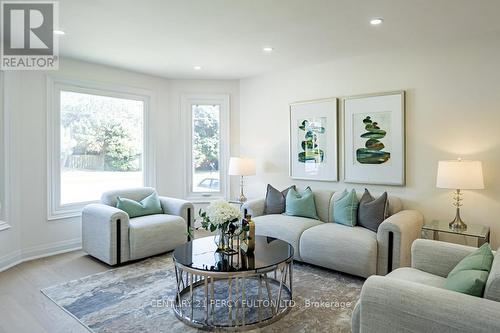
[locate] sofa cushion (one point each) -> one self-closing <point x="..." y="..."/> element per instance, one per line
<point x="351" y="250"/>
<point x="481" y="259"/>
<point x="417" y="276"/>
<point x="154" y="234"/>
<point x="301" y="204"/>
<point x="345" y="208"/>
<point x="136" y="193"/>
<point x="275" y="200"/>
<point x="492" y="289"/>
<point x="148" y="206"/>
<point x="323" y="200"/>
<point x="471" y="274"/>
<point x="287" y="228"/>
<point x="372" y="212"/>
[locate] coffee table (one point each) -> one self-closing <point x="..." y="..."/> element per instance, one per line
<point x="234" y="292"/>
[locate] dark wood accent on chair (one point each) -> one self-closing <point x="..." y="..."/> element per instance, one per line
<point x="189" y="224"/>
<point x="390" y="252"/>
<point x="118" y="241"/>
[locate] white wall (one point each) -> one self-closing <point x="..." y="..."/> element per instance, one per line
<point x="31" y="233"/>
<point x="453" y="109"/>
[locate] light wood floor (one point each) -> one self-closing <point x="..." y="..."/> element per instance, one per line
<point x="23" y="308"/>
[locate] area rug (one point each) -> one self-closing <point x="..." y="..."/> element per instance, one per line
<point x="138" y="298"/>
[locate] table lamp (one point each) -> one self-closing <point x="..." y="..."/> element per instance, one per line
<point x="241" y="166"/>
<point x="459" y="175"/>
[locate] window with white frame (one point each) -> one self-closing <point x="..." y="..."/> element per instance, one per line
<point x="207" y="121"/>
<point x="4" y="125"/>
<point x="98" y="137"/>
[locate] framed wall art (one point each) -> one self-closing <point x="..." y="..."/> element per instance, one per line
<point x="314" y="140"/>
<point x="374" y="138"/>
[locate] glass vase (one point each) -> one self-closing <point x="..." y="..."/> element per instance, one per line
<point x="224" y="241"/>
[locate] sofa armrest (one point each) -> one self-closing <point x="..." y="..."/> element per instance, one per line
<point x="103" y="228"/>
<point x="254" y="207"/>
<point x="437" y="258"/>
<point x="394" y="238"/>
<point x="392" y="305"/>
<point x="179" y="207"/>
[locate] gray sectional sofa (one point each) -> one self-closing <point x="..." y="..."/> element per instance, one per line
<point x="354" y="250"/>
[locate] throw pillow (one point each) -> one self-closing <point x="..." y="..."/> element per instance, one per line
<point x="371" y="211"/>
<point x="345" y="208"/>
<point x="471" y="274"/>
<point x="275" y="200"/>
<point x="148" y="206"/>
<point x="301" y="204"/>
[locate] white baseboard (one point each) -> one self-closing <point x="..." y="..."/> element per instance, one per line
<point x="40" y="251"/>
<point x="10" y="259"/>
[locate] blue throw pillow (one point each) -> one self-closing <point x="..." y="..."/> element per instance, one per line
<point x="345" y="208"/>
<point x="148" y="206"/>
<point x="301" y="204"/>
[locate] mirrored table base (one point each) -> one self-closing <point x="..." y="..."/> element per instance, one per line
<point x="233" y="301"/>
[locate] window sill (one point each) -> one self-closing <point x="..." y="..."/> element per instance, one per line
<point x="205" y="200"/>
<point x="4" y="226"/>
<point x="62" y="216"/>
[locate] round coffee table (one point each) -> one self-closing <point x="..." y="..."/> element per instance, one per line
<point x="235" y="292"/>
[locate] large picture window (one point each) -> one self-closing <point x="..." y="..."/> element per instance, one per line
<point x="98" y="144"/>
<point x="4" y="160"/>
<point x="208" y="121"/>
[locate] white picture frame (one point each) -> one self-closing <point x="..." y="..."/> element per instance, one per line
<point x="314" y="140"/>
<point x="374" y="139"/>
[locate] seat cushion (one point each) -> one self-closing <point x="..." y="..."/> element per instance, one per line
<point x="154" y="234"/>
<point x="287" y="228"/>
<point x="418" y="276"/>
<point x="346" y="249"/>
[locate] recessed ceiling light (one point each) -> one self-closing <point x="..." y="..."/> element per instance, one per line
<point x="267" y="49"/>
<point x="197" y="68"/>
<point x="376" y="21"/>
<point x="59" y="32"/>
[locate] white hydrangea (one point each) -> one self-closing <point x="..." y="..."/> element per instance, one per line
<point x="221" y="211"/>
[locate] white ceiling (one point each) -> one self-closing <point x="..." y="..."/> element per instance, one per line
<point x="168" y="37"/>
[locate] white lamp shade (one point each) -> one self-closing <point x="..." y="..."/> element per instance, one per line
<point x="460" y="174"/>
<point x="241" y="166"/>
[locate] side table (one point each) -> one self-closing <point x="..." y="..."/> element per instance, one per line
<point x="481" y="232"/>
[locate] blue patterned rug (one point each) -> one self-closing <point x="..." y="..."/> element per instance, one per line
<point x="138" y="298"/>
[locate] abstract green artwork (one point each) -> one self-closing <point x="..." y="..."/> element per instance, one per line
<point x="373" y="152"/>
<point x="311" y="151"/>
<point x="313" y="140"/>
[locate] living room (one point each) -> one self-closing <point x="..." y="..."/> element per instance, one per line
<point x="194" y="103"/>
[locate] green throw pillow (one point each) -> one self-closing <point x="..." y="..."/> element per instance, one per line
<point x="470" y="275"/>
<point x="301" y="204"/>
<point x="345" y="208"/>
<point x="148" y="206"/>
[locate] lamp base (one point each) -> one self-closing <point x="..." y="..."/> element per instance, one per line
<point x="242" y="198"/>
<point x="457" y="223"/>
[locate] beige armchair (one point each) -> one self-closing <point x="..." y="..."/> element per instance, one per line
<point x="412" y="299"/>
<point x="109" y="235"/>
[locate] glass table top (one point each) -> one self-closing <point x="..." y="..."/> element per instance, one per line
<point x="201" y="254"/>
<point x="474" y="230"/>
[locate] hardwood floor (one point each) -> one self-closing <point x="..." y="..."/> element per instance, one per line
<point x="24" y="309"/>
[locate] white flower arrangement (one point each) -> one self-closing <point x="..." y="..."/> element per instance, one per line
<point x="219" y="215"/>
